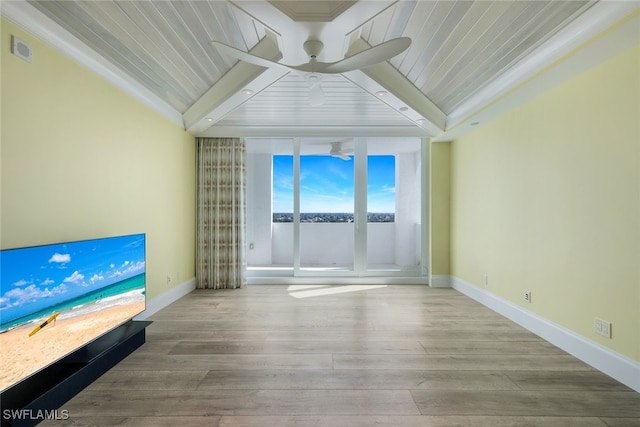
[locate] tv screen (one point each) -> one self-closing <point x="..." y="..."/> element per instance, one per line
<point x="56" y="298"/>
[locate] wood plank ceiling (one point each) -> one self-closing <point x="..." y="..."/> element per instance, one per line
<point x="458" y="48"/>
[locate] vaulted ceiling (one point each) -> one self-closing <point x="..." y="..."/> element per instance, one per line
<point x="464" y="55"/>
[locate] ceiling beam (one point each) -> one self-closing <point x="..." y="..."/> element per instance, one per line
<point x="278" y="23"/>
<point x="402" y="93"/>
<point x="228" y="93"/>
<point x="291" y="34"/>
<point x="310" y="131"/>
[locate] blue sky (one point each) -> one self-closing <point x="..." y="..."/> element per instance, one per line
<point x="35" y="278"/>
<point x="326" y="184"/>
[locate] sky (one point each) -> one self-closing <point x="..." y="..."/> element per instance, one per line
<point x="35" y="278"/>
<point x="326" y="184"/>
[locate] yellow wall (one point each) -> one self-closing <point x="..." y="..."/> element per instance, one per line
<point x="440" y="170"/>
<point x="81" y="159"/>
<point x="546" y="198"/>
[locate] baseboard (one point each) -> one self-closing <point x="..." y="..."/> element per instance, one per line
<point x="336" y="280"/>
<point x="617" y="366"/>
<point x="164" y="299"/>
<point x="440" y="281"/>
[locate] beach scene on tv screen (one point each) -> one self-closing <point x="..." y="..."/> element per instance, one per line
<point x="56" y="298"/>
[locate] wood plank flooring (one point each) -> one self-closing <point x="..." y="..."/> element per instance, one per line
<point x="278" y="356"/>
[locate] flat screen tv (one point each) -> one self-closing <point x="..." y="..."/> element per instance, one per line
<point x="56" y="298"/>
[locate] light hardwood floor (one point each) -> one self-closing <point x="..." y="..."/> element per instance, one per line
<point x="278" y="356"/>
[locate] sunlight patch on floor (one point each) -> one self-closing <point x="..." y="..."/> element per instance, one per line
<point x="294" y="288"/>
<point x="318" y="291"/>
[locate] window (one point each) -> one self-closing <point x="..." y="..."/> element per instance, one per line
<point x="359" y="213"/>
<point x="327" y="186"/>
<point x="381" y="188"/>
<point x="282" y="188"/>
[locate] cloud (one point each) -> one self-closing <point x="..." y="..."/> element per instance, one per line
<point x="21" y="282"/>
<point x="387" y="189"/>
<point x="76" y="277"/>
<point x="29" y="294"/>
<point x="96" y="278"/>
<point x="282" y="183"/>
<point x="128" y="268"/>
<point x="343" y="174"/>
<point x="47" y="281"/>
<point x="60" y="258"/>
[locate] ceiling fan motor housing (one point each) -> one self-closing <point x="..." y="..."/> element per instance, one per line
<point x="313" y="48"/>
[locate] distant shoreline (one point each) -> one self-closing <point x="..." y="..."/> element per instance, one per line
<point x="117" y="289"/>
<point x="339" y="217"/>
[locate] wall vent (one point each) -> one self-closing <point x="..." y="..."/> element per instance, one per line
<point x="20" y="48"/>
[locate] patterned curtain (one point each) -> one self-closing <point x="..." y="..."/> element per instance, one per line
<point x="220" y="213"/>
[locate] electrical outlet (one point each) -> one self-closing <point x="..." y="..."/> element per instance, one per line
<point x="168" y="279"/>
<point x="603" y="327"/>
<point x="527" y="296"/>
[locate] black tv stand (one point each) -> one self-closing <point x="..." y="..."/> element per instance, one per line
<point x="39" y="396"/>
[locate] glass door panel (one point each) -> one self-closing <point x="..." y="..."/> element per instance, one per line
<point x="394" y="205"/>
<point x="326" y="208"/>
<point x="269" y="206"/>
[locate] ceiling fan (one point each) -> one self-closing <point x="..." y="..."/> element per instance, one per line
<point x="314" y="68"/>
<point x="338" y="151"/>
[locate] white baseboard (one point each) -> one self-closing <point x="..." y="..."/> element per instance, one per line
<point x="336" y="280"/>
<point x="617" y="366"/>
<point x="164" y="299"/>
<point x="440" y="281"/>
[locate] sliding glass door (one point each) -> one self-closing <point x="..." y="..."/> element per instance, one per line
<point x="335" y="207"/>
<point x="326" y="189"/>
<point x="394" y="195"/>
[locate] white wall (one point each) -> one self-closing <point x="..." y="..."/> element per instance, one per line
<point x="259" y="215"/>
<point x="379" y="251"/>
<point x="332" y="243"/>
<point x="326" y="244"/>
<point x="282" y="243"/>
<point x="408" y="178"/>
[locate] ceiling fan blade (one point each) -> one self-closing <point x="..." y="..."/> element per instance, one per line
<point x="337" y="151"/>
<point x="366" y="58"/>
<point x="316" y="95"/>
<point x="342" y="156"/>
<point x="248" y="57"/>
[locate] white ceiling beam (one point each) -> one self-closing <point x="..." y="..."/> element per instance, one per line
<point x="337" y="32"/>
<point x="228" y="93"/>
<point x="312" y="131"/>
<point x="287" y="33"/>
<point x="402" y="93"/>
<point x="292" y="34"/>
